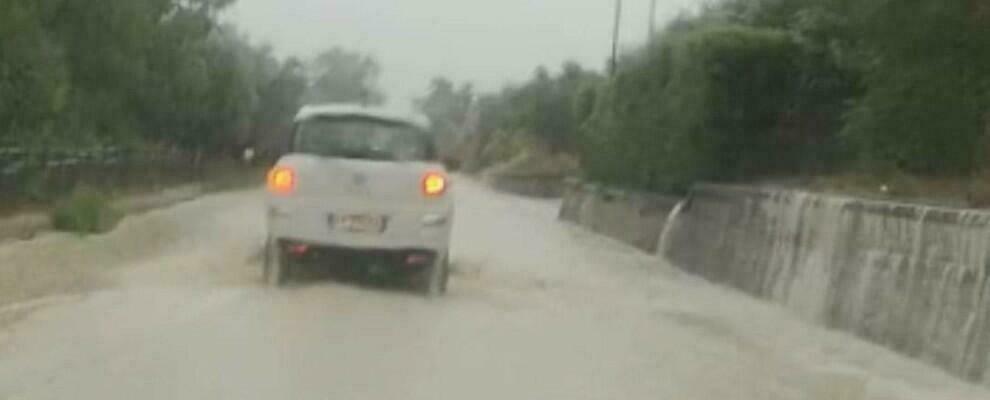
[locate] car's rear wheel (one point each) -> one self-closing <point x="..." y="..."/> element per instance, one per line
<point x="278" y="269"/>
<point x="432" y="281"/>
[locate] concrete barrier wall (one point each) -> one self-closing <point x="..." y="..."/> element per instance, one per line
<point x="913" y="278"/>
<point x="632" y="217"/>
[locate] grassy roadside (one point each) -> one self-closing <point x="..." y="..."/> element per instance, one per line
<point x="957" y="192"/>
<point x="95" y="209"/>
<point x="214" y="176"/>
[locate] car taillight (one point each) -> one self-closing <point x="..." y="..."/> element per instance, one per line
<point x="282" y="180"/>
<point x="434" y="184"/>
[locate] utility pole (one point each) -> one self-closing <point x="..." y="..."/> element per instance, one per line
<point x="615" y="36"/>
<point x="653" y="20"/>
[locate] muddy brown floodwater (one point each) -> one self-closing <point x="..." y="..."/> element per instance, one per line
<point x="537" y="310"/>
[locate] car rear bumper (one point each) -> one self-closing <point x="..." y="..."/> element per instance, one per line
<point x="411" y="228"/>
<point x="409" y="260"/>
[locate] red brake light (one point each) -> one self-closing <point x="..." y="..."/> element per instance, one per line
<point x="434" y="184"/>
<point x="282" y="180"/>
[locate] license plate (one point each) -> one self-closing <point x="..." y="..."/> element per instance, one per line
<point x="360" y="223"/>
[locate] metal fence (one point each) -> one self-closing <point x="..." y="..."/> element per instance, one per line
<point x="49" y="173"/>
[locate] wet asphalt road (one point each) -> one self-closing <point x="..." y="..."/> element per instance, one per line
<point x="537" y="310"/>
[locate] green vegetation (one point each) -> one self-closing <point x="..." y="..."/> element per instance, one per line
<point x="757" y="89"/>
<point x="130" y="95"/>
<point x="87" y="211"/>
<point x="547" y="106"/>
<point x="163" y="73"/>
<point x="448" y="108"/>
<point x="742" y="90"/>
<point x="927" y="80"/>
<point x="539" y="118"/>
<point x="750" y="89"/>
<point x="344" y="76"/>
<point x="708" y="104"/>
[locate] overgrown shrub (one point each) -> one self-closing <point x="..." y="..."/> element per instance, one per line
<point x="764" y="88"/>
<point x="709" y="103"/>
<point x="86" y="211"/>
<point x="503" y="146"/>
<point x="926" y="72"/>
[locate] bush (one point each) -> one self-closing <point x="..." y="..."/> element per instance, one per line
<point x="35" y="186"/>
<point x="86" y="211"/>
<point x="536" y="162"/>
<point x="502" y="146"/>
<point x="719" y="102"/>
<point x="927" y="81"/>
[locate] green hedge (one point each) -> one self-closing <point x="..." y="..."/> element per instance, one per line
<point x="713" y="103"/>
<point x="752" y="89"/>
<point x="927" y="78"/>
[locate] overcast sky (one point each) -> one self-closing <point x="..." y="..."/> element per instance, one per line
<point x="487" y="42"/>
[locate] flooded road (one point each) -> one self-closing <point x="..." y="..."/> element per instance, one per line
<point x="537" y="310"/>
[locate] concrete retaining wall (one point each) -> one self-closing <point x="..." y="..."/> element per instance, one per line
<point x="913" y="278"/>
<point x="632" y="217"/>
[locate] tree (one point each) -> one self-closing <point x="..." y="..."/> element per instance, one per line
<point x="33" y="75"/>
<point x="280" y="98"/>
<point x="138" y="72"/>
<point x="914" y="74"/>
<point x="105" y="46"/>
<point x="708" y="103"/>
<point x="447" y="107"/>
<point x="343" y="76"/>
<point x="926" y="72"/>
<point x="545" y="107"/>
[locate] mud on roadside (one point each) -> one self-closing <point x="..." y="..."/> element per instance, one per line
<point x="60" y="264"/>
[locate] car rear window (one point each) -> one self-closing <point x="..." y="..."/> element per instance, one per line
<point x="362" y="138"/>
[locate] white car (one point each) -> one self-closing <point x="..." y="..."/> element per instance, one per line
<point x="361" y="188"/>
